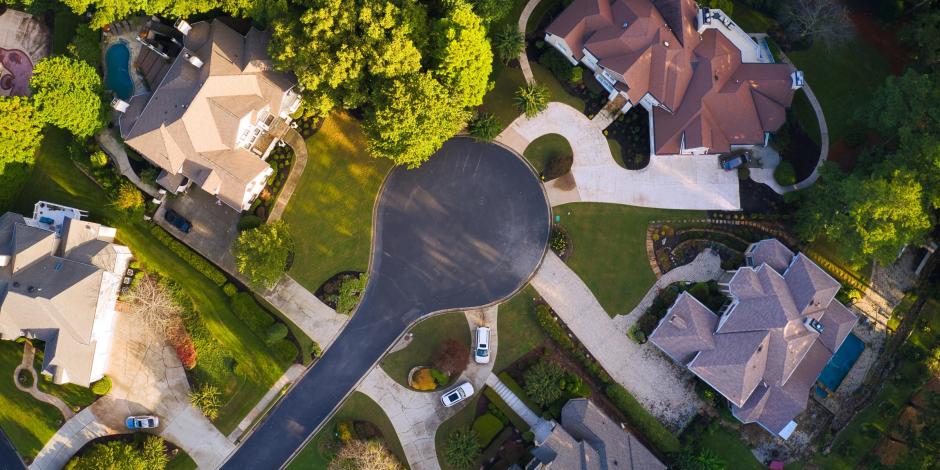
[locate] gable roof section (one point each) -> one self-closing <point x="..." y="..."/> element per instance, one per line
<point x="812" y="288"/>
<point x="687" y="328"/>
<point x="30" y="244"/>
<point x="735" y="366"/>
<point x="615" y="447"/>
<point x="772" y="253"/>
<point x="837" y="323"/>
<point x="579" y="21"/>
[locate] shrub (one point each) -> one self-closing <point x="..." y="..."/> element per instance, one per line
<point x="284" y="351"/>
<point x="532" y="99"/>
<point x="128" y="197"/>
<point x="248" y="311"/>
<point x="542" y="382"/>
<point x="248" y="222"/>
<point x="98" y="159"/>
<point x="344" y="430"/>
<point x="561" y="67"/>
<point x="487" y="428"/>
<point x="544" y="316"/>
<point x="440" y="377"/>
<point x="186" y="350"/>
<point x="230" y="289"/>
<point x="558" y="241"/>
<point x="451" y="357"/>
<point x="423" y="380"/>
<point x="785" y="175"/>
<point x="484" y="126"/>
<point x="198" y="263"/>
<point x="508" y="43"/>
<point x="207" y="399"/>
<point x="642" y="420"/>
<point x="261" y="254"/>
<point x="350" y="291"/>
<point x="462" y="448"/>
<point x="275" y="333"/>
<point x="101" y="387"/>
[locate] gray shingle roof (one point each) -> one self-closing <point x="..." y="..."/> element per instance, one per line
<point x="614" y="447"/>
<point x="812" y="288"/>
<point x="736" y="365"/>
<point x="687" y="328"/>
<point x="772" y="253"/>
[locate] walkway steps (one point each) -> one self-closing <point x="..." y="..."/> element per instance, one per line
<point x="513" y="401"/>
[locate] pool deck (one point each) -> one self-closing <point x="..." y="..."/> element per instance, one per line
<point x="874" y="342"/>
<point x="127" y="36"/>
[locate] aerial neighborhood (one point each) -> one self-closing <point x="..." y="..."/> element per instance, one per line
<point x="469" y="234"/>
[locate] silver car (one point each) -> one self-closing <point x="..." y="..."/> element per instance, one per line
<point x="457" y="394"/>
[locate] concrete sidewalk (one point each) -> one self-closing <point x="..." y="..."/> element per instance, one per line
<point x="663" y="389"/>
<point x="321" y="323"/>
<point x="72" y="436"/>
<point x="668" y="182"/>
<point x="292" y="373"/>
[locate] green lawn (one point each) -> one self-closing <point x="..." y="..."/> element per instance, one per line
<point x="65" y="22"/>
<point x="463" y="419"/>
<point x="506" y="80"/>
<point x="728" y="446"/>
<point x="519" y="332"/>
<point x="543" y="149"/>
<point x="806" y="116"/>
<point x="56" y="179"/>
<point x="28" y="422"/>
<point x="330" y="214"/>
<point x="427" y="336"/>
<point x="609" y="250"/>
<point x="182" y="461"/>
<point x="358" y="407"/>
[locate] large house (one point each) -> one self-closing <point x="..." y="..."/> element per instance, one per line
<point x="587" y="440"/>
<point x="60" y="278"/>
<point x="769" y="345"/>
<point x="709" y="87"/>
<point x="216" y="110"/>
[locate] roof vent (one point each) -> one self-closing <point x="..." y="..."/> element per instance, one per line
<point x="30" y="289"/>
<point x="16" y="284"/>
<point x="678" y="322"/>
<point x="666" y="43"/>
<point x="626" y="24"/>
<point x="813" y="324"/>
<point x="192" y="59"/>
<point x="183" y="26"/>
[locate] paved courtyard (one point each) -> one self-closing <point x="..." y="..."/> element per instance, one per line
<point x="24" y="40"/>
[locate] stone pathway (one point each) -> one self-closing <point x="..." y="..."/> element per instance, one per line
<point x="29" y="354"/>
<point x="72" y="436"/>
<point x="668" y="182"/>
<point x="296" y="142"/>
<point x="664" y="389"/>
<point x="417" y="415"/>
<point x="321" y="323"/>
<point x="113" y="146"/>
<point x="523" y="56"/>
<point x="291" y="375"/>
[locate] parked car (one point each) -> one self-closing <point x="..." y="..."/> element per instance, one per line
<point x="177" y="221"/>
<point x="142" y="422"/>
<point x="482" y="352"/>
<point x="733" y="161"/>
<point x="457" y="394"/>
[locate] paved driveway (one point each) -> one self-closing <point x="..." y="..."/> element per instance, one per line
<point x="668" y="182"/>
<point x="466" y="229"/>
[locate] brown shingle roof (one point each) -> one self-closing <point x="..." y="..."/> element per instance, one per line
<point x="772" y="253"/>
<point x="687" y="328"/>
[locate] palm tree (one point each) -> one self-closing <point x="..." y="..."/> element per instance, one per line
<point x="532" y="99"/>
<point x="508" y="43"/>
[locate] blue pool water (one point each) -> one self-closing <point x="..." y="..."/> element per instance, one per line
<point x="118" y="79"/>
<point x="841" y="362"/>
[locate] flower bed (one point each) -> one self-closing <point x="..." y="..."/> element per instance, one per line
<point x="427" y="379"/>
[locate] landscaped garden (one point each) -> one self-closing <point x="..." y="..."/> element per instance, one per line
<point x="609" y="249"/>
<point x="330" y="213"/>
<point x="359" y="418"/>
<point x="550" y="155"/>
<point x="438" y="352"/>
<point x="28" y="422"/>
<point x="136" y="450"/>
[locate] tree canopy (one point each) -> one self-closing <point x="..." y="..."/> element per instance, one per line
<point x="20" y="131"/>
<point x="109" y="11"/>
<point x="261" y="254"/>
<point x="66" y="93"/>
<point x="120" y="455"/>
<point x="357" y="454"/>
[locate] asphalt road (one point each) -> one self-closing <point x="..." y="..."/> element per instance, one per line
<point x="466" y="229"/>
<point x="9" y="459"/>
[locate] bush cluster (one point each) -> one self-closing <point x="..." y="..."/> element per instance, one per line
<point x="207" y="399"/>
<point x="558" y="241"/>
<point x="785" y="175"/>
<point x="101" y="387"/>
<point x="462" y="448"/>
<point x="561" y="68"/>
<point x="487" y="428"/>
<point x="558" y="333"/>
<point x="646" y="423"/>
<point x="248" y="311"/>
<point x="197" y="262"/>
<point x="284" y="350"/>
<point x="423" y="380"/>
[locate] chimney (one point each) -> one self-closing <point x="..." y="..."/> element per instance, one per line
<point x="183" y="26"/>
<point x="192" y="59"/>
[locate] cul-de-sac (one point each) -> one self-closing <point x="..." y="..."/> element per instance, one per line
<point x="469" y="234"/>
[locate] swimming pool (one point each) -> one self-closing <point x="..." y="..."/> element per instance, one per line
<point x="843" y="360"/>
<point x="118" y="79"/>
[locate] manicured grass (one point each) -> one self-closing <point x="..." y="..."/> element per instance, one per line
<point x="28" y="422"/>
<point x="182" y="461"/>
<point x="728" y="446"/>
<point x="56" y="179"/>
<point x="358" y="407"/>
<point x="751" y="20"/>
<point x="73" y="395"/>
<point x="518" y="330"/>
<point x="428" y="335"/>
<point x="806" y="116"/>
<point x="463" y="419"/>
<point x="545" y="77"/>
<point x="64" y="22"/>
<point x="609" y="250"/>
<point x="543" y="149"/>
<point x="500" y="101"/>
<point x="330" y="214"/>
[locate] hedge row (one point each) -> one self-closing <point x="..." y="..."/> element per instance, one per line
<point x="198" y="262"/>
<point x="642" y="420"/>
<point x="487" y="427"/>
<point x="502" y="406"/>
<point x="248" y="311"/>
<point x="560" y="335"/>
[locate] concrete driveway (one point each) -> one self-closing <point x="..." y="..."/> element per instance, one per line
<point x="467" y="229"/>
<point x="668" y="182"/>
<point x="214" y="225"/>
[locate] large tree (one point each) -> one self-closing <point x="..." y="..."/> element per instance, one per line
<point x="261" y="254"/>
<point x="357" y="454"/>
<point x="67" y="94"/>
<point x="20" y="131"/>
<point x="109" y="11"/>
<point x="464" y="57"/>
<point x="826" y="21"/>
<point x="120" y="455"/>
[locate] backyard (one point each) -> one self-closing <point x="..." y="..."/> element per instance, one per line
<point x="330" y="213"/>
<point x="56" y="179"/>
<point x="358" y="407"/>
<point x="608" y="250"/>
<point x="428" y="335"/>
<point x="28" y="422"/>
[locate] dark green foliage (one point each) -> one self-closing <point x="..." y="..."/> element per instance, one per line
<point x="785" y="175"/>
<point x="487" y="428"/>
<point x="543" y="382"/>
<point x="284" y="351"/>
<point x="189" y="256"/>
<point x="120" y="455"/>
<point x="256" y="317"/>
<point x="439" y="377"/>
<point x="491" y="11"/>
<point x="726" y="6"/>
<point x="350" y="292"/>
<point x="230" y="289"/>
<point x="248" y="222"/>
<point x="642" y="420"/>
<point x="86" y="45"/>
<point x="98" y="159"/>
<point x="462" y="448"/>
<point x="275" y="333"/>
<point x="500" y="409"/>
<point x="508" y="43"/>
<point x="532" y="99"/>
<point x="67" y="93"/>
<point x="484" y="126"/>
<point x="101" y="387"/>
<point x="558" y="333"/>
<point x="561" y="67"/>
<point x="261" y="253"/>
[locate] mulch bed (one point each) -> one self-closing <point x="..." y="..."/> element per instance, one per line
<point x="330" y="288"/>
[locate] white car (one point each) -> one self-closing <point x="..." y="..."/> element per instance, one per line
<point x="481" y="354"/>
<point x="457" y="394"/>
<point x="142" y="422"/>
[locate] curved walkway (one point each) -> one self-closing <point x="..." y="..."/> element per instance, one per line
<point x="29" y="353"/>
<point x="523" y="56"/>
<point x="655" y="381"/>
<point x="417" y="415"/>
<point x="297" y="143"/>
<point x="114" y="147"/>
<point x="668" y="182"/>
